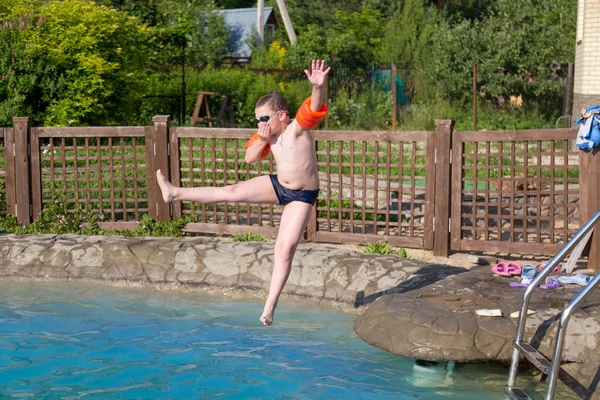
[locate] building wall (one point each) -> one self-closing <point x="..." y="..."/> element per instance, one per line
<point x="587" y="58"/>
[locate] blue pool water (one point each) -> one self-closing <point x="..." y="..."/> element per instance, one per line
<point x="73" y="341"/>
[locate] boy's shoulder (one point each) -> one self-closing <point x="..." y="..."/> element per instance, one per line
<point x="296" y="128"/>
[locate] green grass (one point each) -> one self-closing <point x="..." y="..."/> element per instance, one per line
<point x="248" y="237"/>
<point x="378" y="248"/>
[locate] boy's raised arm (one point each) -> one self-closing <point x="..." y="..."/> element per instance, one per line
<point x="316" y="76"/>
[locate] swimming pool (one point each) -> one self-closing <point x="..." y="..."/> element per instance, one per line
<point x="73" y="341"/>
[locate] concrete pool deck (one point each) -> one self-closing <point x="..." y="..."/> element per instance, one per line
<point x="405" y="306"/>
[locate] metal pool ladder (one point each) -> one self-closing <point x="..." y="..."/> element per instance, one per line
<point x="550" y="368"/>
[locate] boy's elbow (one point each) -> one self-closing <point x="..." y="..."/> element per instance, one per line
<point x="249" y="159"/>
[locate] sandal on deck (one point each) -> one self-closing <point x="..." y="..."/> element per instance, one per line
<point x="528" y="271"/>
<point x="524" y="283"/>
<point x="504" y="269"/>
<point x="543" y="265"/>
<point x="551" y="283"/>
<point x="578" y="279"/>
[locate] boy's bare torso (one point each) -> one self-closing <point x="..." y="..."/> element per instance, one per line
<point x="296" y="159"/>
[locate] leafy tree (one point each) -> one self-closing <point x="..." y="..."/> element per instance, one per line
<point x="179" y="28"/>
<point x="227" y="4"/>
<point x="458" y="10"/>
<point x="355" y="38"/>
<point x="517" y="44"/>
<point x="402" y="33"/>
<point x="317" y="12"/>
<point x="70" y="63"/>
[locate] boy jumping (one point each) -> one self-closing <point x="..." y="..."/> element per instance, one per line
<point x="296" y="184"/>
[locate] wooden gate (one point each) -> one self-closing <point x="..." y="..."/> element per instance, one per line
<point x="514" y="191"/>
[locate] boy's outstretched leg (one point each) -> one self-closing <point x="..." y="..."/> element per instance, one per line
<point x="293" y="221"/>
<point x="255" y="190"/>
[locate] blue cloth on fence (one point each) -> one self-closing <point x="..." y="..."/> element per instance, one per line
<point x="588" y="135"/>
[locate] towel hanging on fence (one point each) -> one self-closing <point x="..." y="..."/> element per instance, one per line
<point x="588" y="136"/>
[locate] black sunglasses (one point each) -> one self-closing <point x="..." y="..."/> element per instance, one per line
<point x="266" y="118"/>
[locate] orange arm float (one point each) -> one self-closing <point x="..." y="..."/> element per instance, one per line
<point x="253" y="139"/>
<point x="308" y="119"/>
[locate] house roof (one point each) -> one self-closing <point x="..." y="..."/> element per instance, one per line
<point x="242" y="24"/>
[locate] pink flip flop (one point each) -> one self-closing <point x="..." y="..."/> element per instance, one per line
<point x="543" y="265"/>
<point x="504" y="269"/>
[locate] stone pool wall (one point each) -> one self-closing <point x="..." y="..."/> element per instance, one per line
<point x="405" y="306"/>
<point x="324" y="273"/>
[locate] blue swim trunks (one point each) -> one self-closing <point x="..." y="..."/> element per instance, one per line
<point x="286" y="195"/>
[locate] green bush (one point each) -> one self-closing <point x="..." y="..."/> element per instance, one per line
<point x="61" y="215"/>
<point x="422" y="116"/>
<point x="70" y="63"/>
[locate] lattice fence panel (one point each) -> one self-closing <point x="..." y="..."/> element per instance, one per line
<point x="372" y="187"/>
<point x="220" y="162"/>
<point x="523" y="191"/>
<point x="106" y="175"/>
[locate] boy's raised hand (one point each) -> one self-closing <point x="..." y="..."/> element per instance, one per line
<point x="318" y="72"/>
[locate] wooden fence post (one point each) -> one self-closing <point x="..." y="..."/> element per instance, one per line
<point x="157" y="158"/>
<point x="174" y="164"/>
<point x="443" y="166"/>
<point x="36" y="174"/>
<point x="11" y="188"/>
<point x="313" y="225"/>
<point x="326" y="100"/>
<point x="22" y="182"/>
<point x="589" y="200"/>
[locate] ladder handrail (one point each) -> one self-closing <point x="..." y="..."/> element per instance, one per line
<point x="581" y="233"/>
<point x="562" y="330"/>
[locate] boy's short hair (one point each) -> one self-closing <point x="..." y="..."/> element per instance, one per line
<point x="273" y="100"/>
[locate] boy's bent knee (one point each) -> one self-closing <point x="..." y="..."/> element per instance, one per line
<point x="286" y="249"/>
<point x="232" y="192"/>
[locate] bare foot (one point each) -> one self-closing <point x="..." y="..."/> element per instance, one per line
<point x="267" y="316"/>
<point x="168" y="190"/>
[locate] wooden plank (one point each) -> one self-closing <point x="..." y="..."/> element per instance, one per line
<point x="23" y="200"/>
<point x="357" y="238"/>
<point x="594" y="171"/>
<point x="36" y="176"/>
<point x="10" y="174"/>
<point x="429" y="193"/>
<point x="175" y="168"/>
<point x="111" y="179"/>
<point x="90" y="131"/>
<point x="222" y="229"/>
<point x="313" y="225"/>
<point x="514" y="135"/>
<point x="242" y="133"/>
<point x="196" y="113"/>
<point x="443" y="168"/>
<point x="549" y="249"/>
<point x="161" y="161"/>
<point x="152" y="186"/>
<point x="119" y="225"/>
<point x="456" y="192"/>
<point x="392" y="136"/>
<point x="214" y="133"/>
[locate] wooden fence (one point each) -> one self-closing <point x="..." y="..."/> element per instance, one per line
<point x="505" y="191"/>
